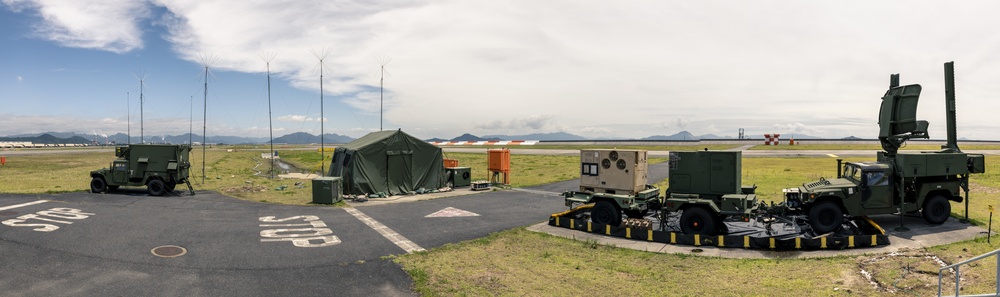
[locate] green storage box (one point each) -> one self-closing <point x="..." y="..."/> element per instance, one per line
<point x="326" y="190"/>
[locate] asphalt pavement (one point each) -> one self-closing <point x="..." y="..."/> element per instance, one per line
<point x="77" y="244"/>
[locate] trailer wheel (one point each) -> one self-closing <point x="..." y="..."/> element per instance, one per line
<point x="605" y="213"/>
<point x="936" y="210"/>
<point x="156" y="187"/>
<point x="698" y="220"/>
<point x="98" y="185"/>
<point x="825" y="217"/>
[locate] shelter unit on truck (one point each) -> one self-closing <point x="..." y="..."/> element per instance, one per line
<point x="158" y="167"/>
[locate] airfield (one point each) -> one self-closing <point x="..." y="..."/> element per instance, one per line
<point x="209" y="244"/>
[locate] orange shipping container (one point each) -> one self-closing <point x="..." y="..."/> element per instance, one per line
<point x="448" y="163"/>
<point x="499" y="160"/>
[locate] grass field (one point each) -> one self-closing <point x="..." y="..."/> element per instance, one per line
<point x="523" y="263"/>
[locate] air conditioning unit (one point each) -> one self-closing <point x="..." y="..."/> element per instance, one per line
<point x="613" y="171"/>
<point x="326" y="190"/>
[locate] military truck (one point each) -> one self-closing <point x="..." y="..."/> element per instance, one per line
<point x="897" y="181"/>
<point x="704" y="187"/>
<point x="158" y="167"/>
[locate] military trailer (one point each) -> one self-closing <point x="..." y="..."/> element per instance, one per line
<point x="704" y="188"/>
<point x="158" y="167"/>
<point x="897" y="181"/>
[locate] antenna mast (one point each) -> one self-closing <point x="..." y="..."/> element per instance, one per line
<point x="142" y="137"/>
<point x="191" y="120"/>
<point x="128" y="117"/>
<point x="322" y="123"/>
<point x="204" y="130"/>
<point x="381" y="81"/>
<point x="270" y="127"/>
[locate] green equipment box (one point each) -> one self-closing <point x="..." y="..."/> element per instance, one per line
<point x="459" y="176"/>
<point x="705" y="172"/>
<point x="326" y="190"/>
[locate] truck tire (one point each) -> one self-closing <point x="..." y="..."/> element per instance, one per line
<point x="156" y="187"/>
<point x="936" y="210"/>
<point x="98" y="185"/>
<point x="605" y="213"/>
<point x="826" y="217"/>
<point x="698" y="220"/>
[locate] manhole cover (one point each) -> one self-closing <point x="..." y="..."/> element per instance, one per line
<point x="168" y="251"/>
<point x="7" y="213"/>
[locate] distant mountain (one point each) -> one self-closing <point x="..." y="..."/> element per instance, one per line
<point x="470" y="137"/>
<point x="852" y="137"/>
<point x="435" y="139"/>
<point x="47" y="139"/>
<point x="683" y="135"/>
<point x="538" y="136"/>
<point x="306" y="138"/>
<point x="713" y="136"/>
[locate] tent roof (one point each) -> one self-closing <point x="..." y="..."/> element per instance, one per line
<point x="371" y="138"/>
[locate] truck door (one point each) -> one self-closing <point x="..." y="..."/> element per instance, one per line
<point x="119" y="172"/>
<point x="875" y="189"/>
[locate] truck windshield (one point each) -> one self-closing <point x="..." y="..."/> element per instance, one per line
<point x="852" y="172"/>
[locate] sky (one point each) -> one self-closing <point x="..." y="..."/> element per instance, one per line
<point x="598" y="69"/>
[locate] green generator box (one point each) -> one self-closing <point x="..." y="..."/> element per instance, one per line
<point x="326" y="190"/>
<point x="706" y="172"/>
<point x="459" y="176"/>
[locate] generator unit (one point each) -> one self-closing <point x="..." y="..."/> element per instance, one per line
<point x="458" y="176"/>
<point x="613" y="171"/>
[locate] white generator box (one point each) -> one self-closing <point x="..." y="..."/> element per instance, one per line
<point x="613" y="171"/>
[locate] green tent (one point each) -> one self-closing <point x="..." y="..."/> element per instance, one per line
<point x="390" y="162"/>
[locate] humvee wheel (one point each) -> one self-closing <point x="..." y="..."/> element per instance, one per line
<point x="156" y="187"/>
<point x="98" y="185"/>
<point x="825" y="217"/>
<point x="936" y="210"/>
<point x="605" y="213"/>
<point x="697" y="220"/>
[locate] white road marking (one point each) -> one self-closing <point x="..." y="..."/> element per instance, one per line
<point x="832" y="155"/>
<point x="389" y="234"/>
<point x="451" y="212"/>
<point x="23" y="204"/>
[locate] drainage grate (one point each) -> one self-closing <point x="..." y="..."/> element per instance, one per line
<point x="168" y="251"/>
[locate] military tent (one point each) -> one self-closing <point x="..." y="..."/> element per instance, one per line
<point x="390" y="162"/>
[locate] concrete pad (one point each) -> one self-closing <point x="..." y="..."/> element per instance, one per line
<point x="921" y="235"/>
<point x="412" y="198"/>
<point x="299" y="176"/>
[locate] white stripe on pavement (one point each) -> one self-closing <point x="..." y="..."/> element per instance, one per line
<point x="389" y="234"/>
<point x="23" y="204"/>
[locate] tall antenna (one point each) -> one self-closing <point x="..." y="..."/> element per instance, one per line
<point x="267" y="61"/>
<point x="128" y="119"/>
<point x="381" y="80"/>
<point x="204" y="127"/>
<point x="191" y="120"/>
<point x="205" y="61"/>
<point x="322" y="119"/>
<point x="141" y="77"/>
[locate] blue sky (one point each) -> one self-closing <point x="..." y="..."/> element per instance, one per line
<point x="633" y="69"/>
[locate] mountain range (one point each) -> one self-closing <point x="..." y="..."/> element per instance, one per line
<point x="306" y="138"/>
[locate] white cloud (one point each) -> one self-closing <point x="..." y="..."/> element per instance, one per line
<point x="20" y="79"/>
<point x="583" y="67"/>
<point x="110" y="25"/>
<point x="297" y="118"/>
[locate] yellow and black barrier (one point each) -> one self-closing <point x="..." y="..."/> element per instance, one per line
<point x="832" y="242"/>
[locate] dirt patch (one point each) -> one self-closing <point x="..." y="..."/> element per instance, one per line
<point x="905" y="271"/>
<point x="981" y="189"/>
